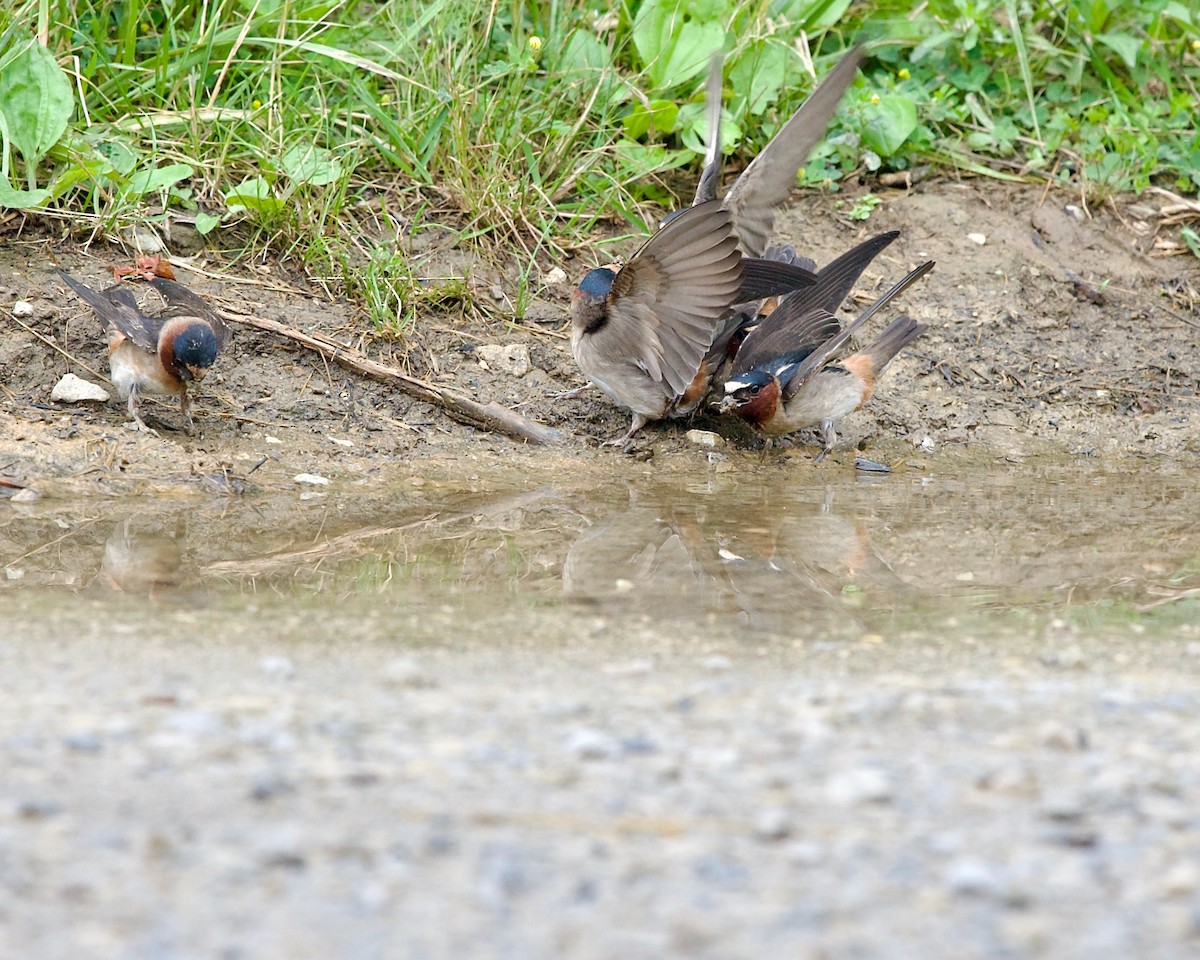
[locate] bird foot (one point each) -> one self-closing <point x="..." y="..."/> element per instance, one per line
<point x="139" y="426"/>
<point x="570" y="394"/>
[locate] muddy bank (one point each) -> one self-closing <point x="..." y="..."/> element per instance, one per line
<point x="1055" y="335"/>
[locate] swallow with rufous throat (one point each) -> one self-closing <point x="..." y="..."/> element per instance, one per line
<point x="785" y="377"/>
<point x="155" y="355"/>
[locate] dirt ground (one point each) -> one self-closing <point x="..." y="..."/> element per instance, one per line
<point x="1064" y="331"/>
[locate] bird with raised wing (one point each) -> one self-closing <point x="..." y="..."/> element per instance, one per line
<point x="159" y="355"/>
<point x="785" y="377"/>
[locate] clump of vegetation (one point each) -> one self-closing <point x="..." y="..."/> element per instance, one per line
<point x="289" y="124"/>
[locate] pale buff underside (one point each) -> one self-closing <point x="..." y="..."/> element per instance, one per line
<point x="132" y="366"/>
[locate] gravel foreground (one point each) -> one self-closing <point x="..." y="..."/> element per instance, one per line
<point x="245" y="786"/>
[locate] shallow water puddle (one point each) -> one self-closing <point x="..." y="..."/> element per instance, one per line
<point x="775" y="553"/>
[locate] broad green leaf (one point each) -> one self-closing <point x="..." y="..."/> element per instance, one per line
<point x="156" y="178"/>
<point x="660" y="114"/>
<point x="636" y="161"/>
<point x="811" y="14"/>
<point x="758" y="74"/>
<point x="687" y="58"/>
<point x="35" y="96"/>
<point x="583" y="53"/>
<point x="1124" y="46"/>
<point x="888" y="123"/>
<point x="21" y="199"/>
<point x="693" y="127"/>
<point x="205" y="222"/>
<point x="673" y="45"/>
<point x="1178" y="11"/>
<point x="312" y="165"/>
<point x="253" y="194"/>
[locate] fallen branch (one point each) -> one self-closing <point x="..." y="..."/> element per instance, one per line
<point x="490" y="416"/>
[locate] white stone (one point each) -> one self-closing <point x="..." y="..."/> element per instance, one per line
<point x="22" y="309"/>
<point x="72" y="389"/>
<point x="310" y="478"/>
<point x="512" y="358"/>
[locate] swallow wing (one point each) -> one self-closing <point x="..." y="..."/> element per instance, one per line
<point x="819" y="357"/>
<point x="791" y="332"/>
<point x="667" y="303"/>
<point x="117" y="307"/>
<point x="765" y="184"/>
<point x="793" y="324"/>
<point x="182" y="302"/>
<point x="710" y="175"/>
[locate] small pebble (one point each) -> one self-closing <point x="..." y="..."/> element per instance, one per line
<point x="310" y="478"/>
<point x="863" y="785"/>
<point x="555" y="275"/>
<point x="773" y="824"/>
<point x="970" y="877"/>
<point x="277" y="668"/>
<point x="589" y="744"/>
<point x="705" y="438"/>
<point x="978" y="238"/>
<point x="22" y="309"/>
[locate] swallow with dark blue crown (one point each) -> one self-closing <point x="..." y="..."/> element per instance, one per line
<point x="158" y="355"/>
<point x="785" y="378"/>
<point x="753" y="199"/>
<point x="651" y="333"/>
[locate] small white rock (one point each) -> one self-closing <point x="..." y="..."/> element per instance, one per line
<point x="271" y="439"/>
<point x="144" y="239"/>
<point x="555" y="275"/>
<point x="312" y="478"/>
<point x="22" y="309"/>
<point x="512" y="358"/>
<point x="705" y="438"/>
<point x="978" y="238"/>
<point x="73" y="389"/>
<point x="340" y="441"/>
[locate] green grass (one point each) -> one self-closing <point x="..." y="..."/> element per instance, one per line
<point x="333" y="133"/>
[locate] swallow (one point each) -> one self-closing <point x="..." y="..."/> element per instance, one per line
<point x="833" y="284"/>
<point x="639" y="332"/>
<point x="784" y="377"/>
<point x="156" y="355"/>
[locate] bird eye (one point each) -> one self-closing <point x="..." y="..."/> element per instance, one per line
<point x="755" y="390"/>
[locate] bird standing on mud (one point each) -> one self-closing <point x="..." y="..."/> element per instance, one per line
<point x="783" y="377"/>
<point x="156" y="355"/>
<point x="650" y="334"/>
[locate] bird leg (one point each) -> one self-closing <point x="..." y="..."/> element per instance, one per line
<point x="138" y="423"/>
<point x="638" y="422"/>
<point x="830" y="439"/>
<point x="185" y="407"/>
<point x="571" y="394"/>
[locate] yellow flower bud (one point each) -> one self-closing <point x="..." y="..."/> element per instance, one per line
<point x="257" y="104"/>
<point x="904" y="74"/>
<point x="535" y="44"/>
<point x="874" y="99"/>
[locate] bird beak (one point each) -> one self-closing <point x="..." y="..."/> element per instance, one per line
<point x="195" y="373"/>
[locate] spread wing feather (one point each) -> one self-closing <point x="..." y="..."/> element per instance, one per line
<point x="765" y="184"/>
<point x="666" y="305"/>
<point x="827" y="350"/>
<point x="785" y="330"/>
<point x="117" y="307"/>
